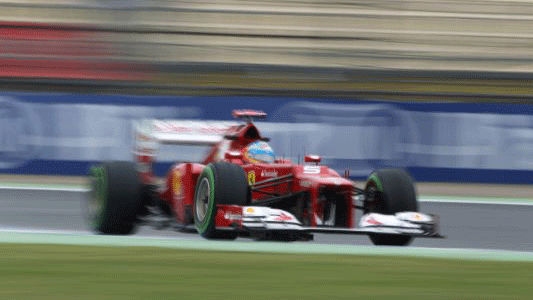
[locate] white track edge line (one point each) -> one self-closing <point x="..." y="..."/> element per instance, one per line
<point x="378" y="251"/>
<point x="422" y="199"/>
<point x="39" y="188"/>
<point x="468" y="201"/>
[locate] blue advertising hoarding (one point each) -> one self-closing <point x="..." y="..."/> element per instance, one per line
<point x="451" y="142"/>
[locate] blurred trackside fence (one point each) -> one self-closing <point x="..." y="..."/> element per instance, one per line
<point x="36" y="50"/>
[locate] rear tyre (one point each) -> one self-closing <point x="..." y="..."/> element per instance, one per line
<point x="219" y="183"/>
<point x="114" y="199"/>
<point x="389" y="192"/>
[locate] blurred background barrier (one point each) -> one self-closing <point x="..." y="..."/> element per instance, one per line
<point x="412" y="34"/>
<point x="153" y="41"/>
<point x="59" y="51"/>
<point x="63" y="134"/>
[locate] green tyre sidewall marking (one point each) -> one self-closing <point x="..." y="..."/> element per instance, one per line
<point x="99" y="175"/>
<point x="374" y="177"/>
<point x="202" y="227"/>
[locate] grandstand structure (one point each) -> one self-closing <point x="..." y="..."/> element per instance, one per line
<point x="136" y="40"/>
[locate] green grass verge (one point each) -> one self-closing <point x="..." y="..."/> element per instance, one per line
<point x="89" y="272"/>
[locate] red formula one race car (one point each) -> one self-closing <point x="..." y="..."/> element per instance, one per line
<point x="241" y="189"/>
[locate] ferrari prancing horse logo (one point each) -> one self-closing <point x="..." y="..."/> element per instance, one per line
<point x="177" y="183"/>
<point x="251" y="177"/>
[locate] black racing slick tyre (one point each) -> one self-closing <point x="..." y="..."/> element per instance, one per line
<point x="219" y="183"/>
<point x="114" y="198"/>
<point x="388" y="192"/>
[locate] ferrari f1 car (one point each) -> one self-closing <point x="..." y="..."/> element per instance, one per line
<point x="241" y="189"/>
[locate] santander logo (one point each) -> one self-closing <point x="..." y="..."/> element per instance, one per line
<point x="283" y="217"/>
<point x="373" y="221"/>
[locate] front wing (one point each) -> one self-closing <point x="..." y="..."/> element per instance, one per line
<point x="259" y="219"/>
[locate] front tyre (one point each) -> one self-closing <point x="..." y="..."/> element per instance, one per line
<point x="389" y="192"/>
<point x="114" y="199"/>
<point x="219" y="183"/>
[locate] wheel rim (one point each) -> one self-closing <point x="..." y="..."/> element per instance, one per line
<point x="201" y="202"/>
<point x="95" y="204"/>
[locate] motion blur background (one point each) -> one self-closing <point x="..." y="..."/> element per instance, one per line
<point x="442" y="88"/>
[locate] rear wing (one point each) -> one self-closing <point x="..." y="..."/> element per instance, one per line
<point x="196" y="133"/>
<point x="151" y="133"/>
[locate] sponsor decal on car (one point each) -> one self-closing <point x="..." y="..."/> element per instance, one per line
<point x="168" y="127"/>
<point x="232" y="216"/>
<point x="190" y="127"/>
<point x="336" y="181"/>
<point x="177" y="183"/>
<point x="250" y="210"/>
<point x="283" y="217"/>
<point x="251" y="177"/>
<point x="311" y="169"/>
<point x="212" y="130"/>
<point x="373" y="221"/>
<point x="269" y="173"/>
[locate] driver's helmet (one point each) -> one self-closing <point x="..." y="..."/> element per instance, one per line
<point x="259" y="152"/>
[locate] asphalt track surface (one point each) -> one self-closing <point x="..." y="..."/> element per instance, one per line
<point x="466" y="225"/>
